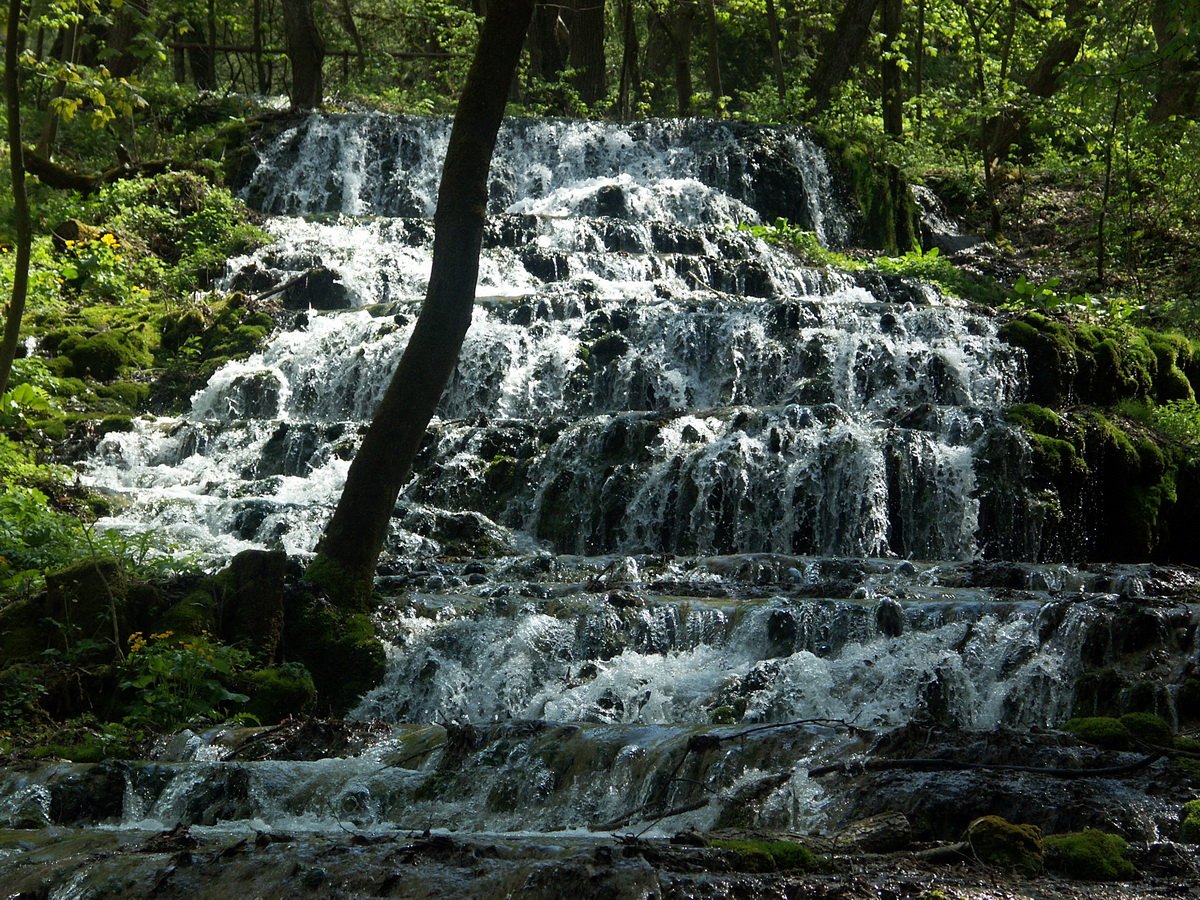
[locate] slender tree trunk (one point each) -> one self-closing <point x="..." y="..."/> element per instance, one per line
<point x="346" y="17"/>
<point x="1101" y="238"/>
<point x="12" y="99"/>
<point x="918" y="87"/>
<point x="306" y="52"/>
<point x="892" y="75"/>
<point x="45" y="144"/>
<point x="776" y="49"/>
<point x="680" y="22"/>
<point x="713" y="63"/>
<point x="840" y="50"/>
<point x="349" y="549"/>
<point x="630" y="78"/>
<point x="260" y="70"/>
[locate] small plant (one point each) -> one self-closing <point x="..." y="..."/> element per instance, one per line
<point x="178" y="679"/>
<point x="804" y="244"/>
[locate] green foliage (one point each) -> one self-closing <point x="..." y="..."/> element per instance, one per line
<point x="931" y="266"/>
<point x="803" y="243"/>
<point x="1089" y="855"/>
<point x="177" y="679"/>
<point x="1026" y="296"/>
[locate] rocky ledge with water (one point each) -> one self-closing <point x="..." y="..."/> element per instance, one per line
<point x="718" y="573"/>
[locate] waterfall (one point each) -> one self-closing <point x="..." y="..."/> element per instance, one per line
<point x="681" y="483"/>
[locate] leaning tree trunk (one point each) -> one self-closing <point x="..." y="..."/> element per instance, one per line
<point x="12" y="99"/>
<point x="306" y="53"/>
<point x="349" y="549"/>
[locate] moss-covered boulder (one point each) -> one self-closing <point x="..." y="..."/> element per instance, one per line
<point x="279" y="692"/>
<point x="1149" y="728"/>
<point x="1190" y="828"/>
<point x="1089" y="855"/>
<point x="339" y="648"/>
<point x="253" y="601"/>
<point x="997" y="842"/>
<point x="1102" y="731"/>
<point x="751" y="855"/>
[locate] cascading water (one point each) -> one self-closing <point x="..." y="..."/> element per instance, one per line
<point x="680" y="485"/>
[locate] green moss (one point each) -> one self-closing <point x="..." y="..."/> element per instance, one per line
<point x="1150" y="728"/>
<point x="340" y="649"/>
<point x="1101" y="731"/>
<point x="998" y="842"/>
<point x="103" y="356"/>
<point x="889" y="214"/>
<point x="1191" y="822"/>
<point x="279" y="692"/>
<point x="1089" y="856"/>
<point x="769" y="856"/>
<point x="110" y="424"/>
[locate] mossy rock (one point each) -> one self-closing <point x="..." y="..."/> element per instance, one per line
<point x="751" y="855"/>
<point x="1150" y="728"/>
<point x="1089" y="856"/>
<point x="339" y="648"/>
<point x="1001" y="843"/>
<point x="23" y="631"/>
<point x="103" y="356"/>
<point x="1102" y="731"/>
<point x="1190" y="829"/>
<point x="194" y="614"/>
<point x="279" y="692"/>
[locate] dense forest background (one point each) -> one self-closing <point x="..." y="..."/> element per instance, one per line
<point x="1066" y="131"/>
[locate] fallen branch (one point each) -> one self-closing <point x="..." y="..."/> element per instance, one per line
<point x="280" y="288"/>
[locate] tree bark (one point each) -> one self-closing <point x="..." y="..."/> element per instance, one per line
<point x="776" y="49"/>
<point x="12" y="99"/>
<point x="1177" y="93"/>
<point x="306" y="53"/>
<point x="630" y="77"/>
<point x="349" y="549"/>
<point x="1043" y="80"/>
<point x="587" y="49"/>
<point x="713" y="63"/>
<point x="840" y="50"/>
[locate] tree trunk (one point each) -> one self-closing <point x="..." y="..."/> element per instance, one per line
<point x="679" y="27"/>
<point x="1043" y="80"/>
<point x="840" y="51"/>
<point x="1177" y="92"/>
<point x="713" y="63"/>
<point x="346" y="17"/>
<point x="45" y="144"/>
<point x="306" y="53"/>
<point x="587" y="50"/>
<point x="201" y="60"/>
<point x="20" y="287"/>
<point x="776" y="49"/>
<point x="891" y="76"/>
<point x="349" y="549"/>
<point x="549" y="42"/>
<point x="630" y="77"/>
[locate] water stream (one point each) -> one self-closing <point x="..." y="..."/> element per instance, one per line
<point x="680" y="485"/>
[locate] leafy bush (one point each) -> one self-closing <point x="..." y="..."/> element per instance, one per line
<point x="178" y="679"/>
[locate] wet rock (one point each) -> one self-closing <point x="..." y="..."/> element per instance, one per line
<point x="319" y="288"/>
<point x="889" y="617"/>
<point x="781" y="633"/>
<point x="884" y="833"/>
<point x="254" y="605"/>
